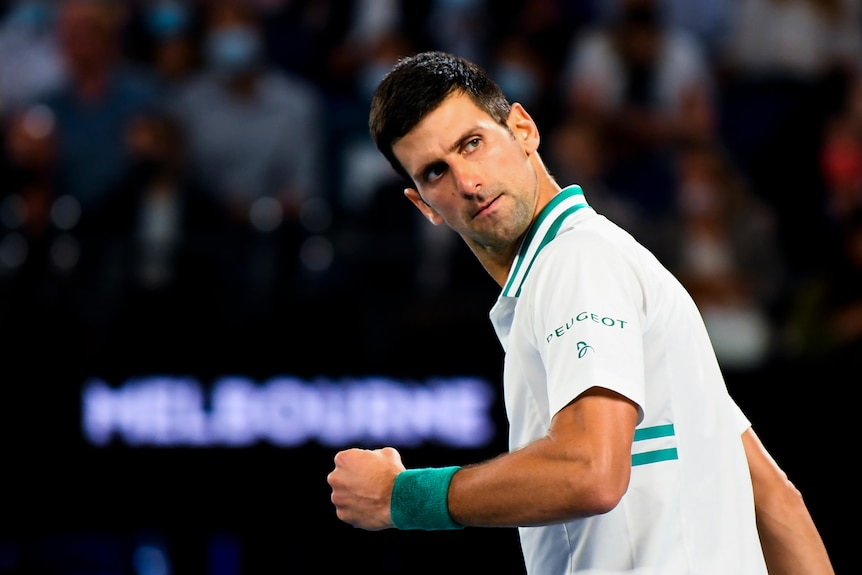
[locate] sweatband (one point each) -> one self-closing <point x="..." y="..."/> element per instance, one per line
<point x="420" y="499"/>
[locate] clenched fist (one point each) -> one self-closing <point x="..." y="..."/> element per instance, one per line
<point x="362" y="486"/>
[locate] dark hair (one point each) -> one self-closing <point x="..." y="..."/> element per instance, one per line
<point x="416" y="85"/>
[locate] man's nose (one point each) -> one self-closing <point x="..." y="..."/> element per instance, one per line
<point x="467" y="178"/>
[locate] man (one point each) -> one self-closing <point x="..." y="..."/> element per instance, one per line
<point x="254" y="134"/>
<point x="627" y="455"/>
<point x="102" y="95"/>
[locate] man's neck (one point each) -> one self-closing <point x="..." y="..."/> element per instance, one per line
<point x="497" y="264"/>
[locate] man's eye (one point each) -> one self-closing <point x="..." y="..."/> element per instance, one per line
<point x="471" y="144"/>
<point x="435" y="171"/>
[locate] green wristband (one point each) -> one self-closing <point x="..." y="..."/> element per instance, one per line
<point x="419" y="499"/>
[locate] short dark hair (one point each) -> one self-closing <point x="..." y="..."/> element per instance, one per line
<point x="416" y="85"/>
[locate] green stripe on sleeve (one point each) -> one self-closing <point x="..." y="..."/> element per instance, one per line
<point x="654" y="456"/>
<point x="654" y="432"/>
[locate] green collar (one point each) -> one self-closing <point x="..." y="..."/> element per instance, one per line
<point x="543" y="229"/>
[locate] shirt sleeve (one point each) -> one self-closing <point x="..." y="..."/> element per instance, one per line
<point x="741" y="420"/>
<point x="587" y="313"/>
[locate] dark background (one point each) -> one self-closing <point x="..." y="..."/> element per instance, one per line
<point x="69" y="507"/>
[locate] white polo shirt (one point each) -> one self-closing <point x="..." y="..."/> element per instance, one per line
<point x="586" y="305"/>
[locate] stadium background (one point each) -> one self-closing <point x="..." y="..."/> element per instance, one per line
<point x="344" y="292"/>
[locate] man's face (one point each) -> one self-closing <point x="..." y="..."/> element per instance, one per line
<point x="87" y="32"/>
<point x="472" y="173"/>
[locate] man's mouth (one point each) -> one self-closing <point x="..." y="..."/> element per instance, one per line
<point x="484" y="207"/>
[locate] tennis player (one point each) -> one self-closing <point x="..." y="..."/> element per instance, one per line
<point x="627" y="454"/>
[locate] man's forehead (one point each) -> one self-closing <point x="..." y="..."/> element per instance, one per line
<point x="458" y="103"/>
<point x="446" y="124"/>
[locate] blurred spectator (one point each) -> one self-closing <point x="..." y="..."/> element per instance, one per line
<point x="784" y="70"/>
<point x="841" y="157"/>
<point x="382" y="234"/>
<point x="841" y="161"/>
<point x="366" y="41"/>
<point x="373" y="38"/>
<point x="165" y="233"/>
<point x="577" y="154"/>
<point x="797" y="39"/>
<point x="253" y="131"/>
<point x="31" y="61"/>
<point x="637" y="78"/>
<point x="785" y="63"/>
<point x="728" y="257"/>
<point x="301" y="36"/>
<point x="87" y="116"/>
<point x="160" y="212"/>
<point x="255" y="138"/>
<point x="362" y="174"/>
<point x="707" y="20"/>
<point x="522" y="74"/>
<point x="461" y="27"/>
<point x="171" y="30"/>
<point x="95" y="107"/>
<point x="548" y="25"/>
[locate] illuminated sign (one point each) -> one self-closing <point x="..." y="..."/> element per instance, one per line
<point x="175" y="411"/>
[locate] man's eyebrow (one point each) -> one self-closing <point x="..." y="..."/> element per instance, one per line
<point x="466" y="135"/>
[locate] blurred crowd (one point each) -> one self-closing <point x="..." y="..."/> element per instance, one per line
<point x="179" y="173"/>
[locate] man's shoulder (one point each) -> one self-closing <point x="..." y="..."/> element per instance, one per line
<point x="589" y="236"/>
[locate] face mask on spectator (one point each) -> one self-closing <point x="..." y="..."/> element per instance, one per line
<point x="232" y="51"/>
<point x="167" y="19"/>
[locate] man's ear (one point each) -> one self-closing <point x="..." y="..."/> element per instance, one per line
<point x="430" y="214"/>
<point x="523" y="127"/>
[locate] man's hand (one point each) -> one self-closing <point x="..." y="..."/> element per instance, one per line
<point x="362" y="486"/>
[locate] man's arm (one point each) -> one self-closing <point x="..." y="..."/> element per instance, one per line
<point x="790" y="540"/>
<point x="580" y="468"/>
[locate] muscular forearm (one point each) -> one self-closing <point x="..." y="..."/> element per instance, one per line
<point x="534" y="486"/>
<point x="581" y="468"/>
